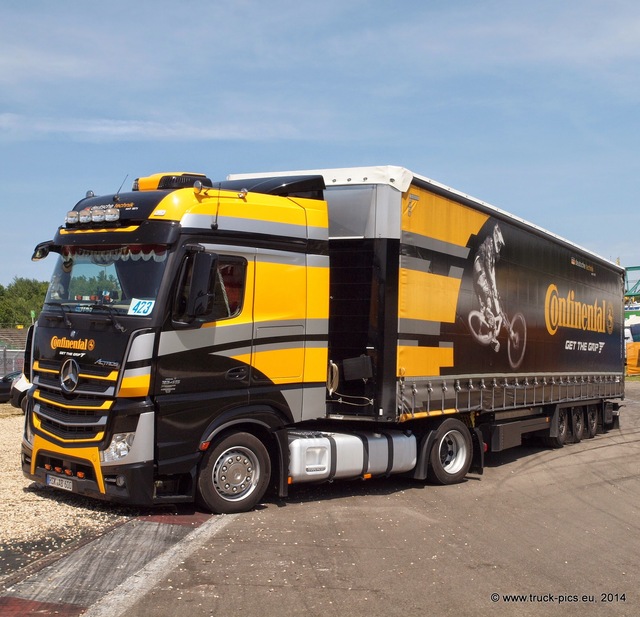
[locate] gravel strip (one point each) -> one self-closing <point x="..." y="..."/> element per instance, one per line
<point x="36" y="521"/>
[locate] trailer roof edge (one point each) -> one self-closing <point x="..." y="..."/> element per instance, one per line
<point x="401" y="179"/>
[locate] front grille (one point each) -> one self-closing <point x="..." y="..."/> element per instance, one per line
<point x="52" y="383"/>
<point x="66" y="431"/>
<point x="80" y="416"/>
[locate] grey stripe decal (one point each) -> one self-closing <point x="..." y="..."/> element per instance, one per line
<point x="431" y="244"/>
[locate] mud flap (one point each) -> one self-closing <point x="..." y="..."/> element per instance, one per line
<point x="283" y="459"/>
<point x="477" y="462"/>
<point x="424" y="449"/>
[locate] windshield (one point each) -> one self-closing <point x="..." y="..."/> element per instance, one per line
<point x="121" y="279"/>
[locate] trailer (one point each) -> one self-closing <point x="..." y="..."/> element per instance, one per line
<point x="209" y="340"/>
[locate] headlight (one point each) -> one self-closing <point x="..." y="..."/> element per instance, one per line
<point x="28" y="435"/>
<point x="119" y="447"/>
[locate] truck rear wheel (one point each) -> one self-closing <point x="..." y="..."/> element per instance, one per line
<point x="563" y="429"/>
<point x="451" y="453"/>
<point x="577" y="422"/>
<point x="235" y="474"/>
<point x="591" y="421"/>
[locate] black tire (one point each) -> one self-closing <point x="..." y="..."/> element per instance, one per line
<point x="563" y="430"/>
<point x="577" y="423"/>
<point x="591" y="421"/>
<point x="451" y="453"/>
<point x="234" y="475"/>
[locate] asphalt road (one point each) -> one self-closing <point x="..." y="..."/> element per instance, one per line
<point x="542" y="532"/>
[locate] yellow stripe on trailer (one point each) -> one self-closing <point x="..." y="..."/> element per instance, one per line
<point x="435" y="217"/>
<point x="427" y="297"/>
<point x="405" y="417"/>
<point x="416" y="361"/>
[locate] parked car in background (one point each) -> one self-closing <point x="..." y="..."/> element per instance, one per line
<point x="19" y="388"/>
<point x="5" y="385"/>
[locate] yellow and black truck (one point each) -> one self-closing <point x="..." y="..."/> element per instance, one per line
<point x="209" y="341"/>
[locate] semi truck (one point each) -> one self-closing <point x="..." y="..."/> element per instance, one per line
<point x="209" y="341"/>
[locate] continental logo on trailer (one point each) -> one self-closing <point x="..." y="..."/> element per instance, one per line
<point x="83" y="344"/>
<point x="569" y="312"/>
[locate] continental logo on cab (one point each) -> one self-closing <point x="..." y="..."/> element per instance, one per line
<point x="82" y="344"/>
<point x="566" y="311"/>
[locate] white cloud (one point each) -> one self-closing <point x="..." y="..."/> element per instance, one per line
<point x="15" y="126"/>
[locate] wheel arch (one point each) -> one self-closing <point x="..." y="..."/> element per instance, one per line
<point x="265" y="423"/>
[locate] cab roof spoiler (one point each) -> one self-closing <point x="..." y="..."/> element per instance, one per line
<point x="309" y="187"/>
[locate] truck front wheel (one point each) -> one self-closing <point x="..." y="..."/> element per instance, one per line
<point x="451" y="453"/>
<point x="235" y="474"/>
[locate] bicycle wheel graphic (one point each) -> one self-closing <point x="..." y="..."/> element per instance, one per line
<point x="479" y="328"/>
<point x="517" y="340"/>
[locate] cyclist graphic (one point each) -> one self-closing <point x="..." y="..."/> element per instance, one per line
<point x="486" y="324"/>
<point x="484" y="280"/>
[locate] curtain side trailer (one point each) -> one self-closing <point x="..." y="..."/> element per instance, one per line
<point x="216" y="339"/>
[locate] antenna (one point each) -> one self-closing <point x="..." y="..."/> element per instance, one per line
<point x="125" y="179"/>
<point x="214" y="225"/>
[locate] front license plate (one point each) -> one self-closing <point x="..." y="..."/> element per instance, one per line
<point x="62" y="483"/>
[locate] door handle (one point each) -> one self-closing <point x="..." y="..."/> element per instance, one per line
<point x="239" y="373"/>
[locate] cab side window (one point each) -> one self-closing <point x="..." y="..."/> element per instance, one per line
<point x="229" y="285"/>
<point x="225" y="294"/>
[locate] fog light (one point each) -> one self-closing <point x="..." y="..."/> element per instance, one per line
<point x="28" y="435"/>
<point x="120" y="481"/>
<point x="119" y="447"/>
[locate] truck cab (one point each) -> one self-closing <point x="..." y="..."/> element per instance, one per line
<point x="176" y="311"/>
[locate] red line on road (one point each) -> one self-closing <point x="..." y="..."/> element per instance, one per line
<point x="18" y="607"/>
<point x="191" y="520"/>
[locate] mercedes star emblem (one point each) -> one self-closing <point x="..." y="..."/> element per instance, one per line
<point x="69" y="375"/>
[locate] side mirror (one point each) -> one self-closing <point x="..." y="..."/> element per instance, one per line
<point x="42" y="250"/>
<point x="201" y="289"/>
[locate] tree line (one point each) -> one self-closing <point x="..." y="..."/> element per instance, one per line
<point x="19" y="299"/>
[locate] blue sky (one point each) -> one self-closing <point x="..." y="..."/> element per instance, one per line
<point x="530" y="106"/>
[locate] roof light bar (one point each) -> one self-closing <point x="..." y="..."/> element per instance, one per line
<point x="96" y="214"/>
